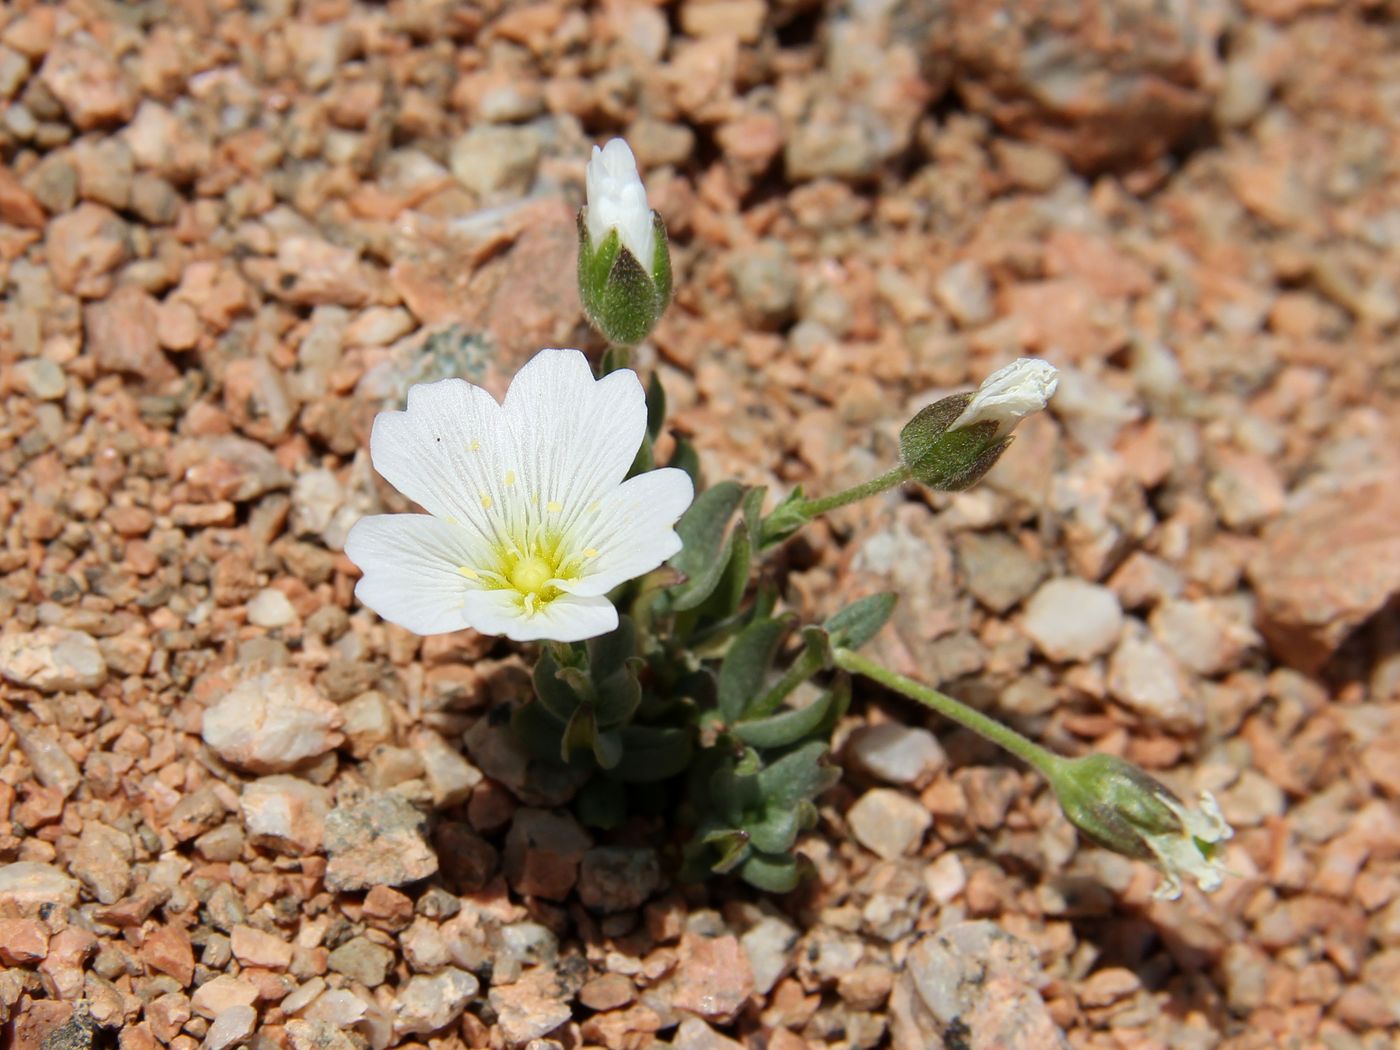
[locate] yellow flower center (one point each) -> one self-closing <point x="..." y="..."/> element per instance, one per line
<point x="530" y="574"/>
<point x="529" y="568"/>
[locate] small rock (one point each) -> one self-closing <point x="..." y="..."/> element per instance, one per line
<point x="713" y="978"/>
<point x="888" y="823"/>
<point x="84" y="246"/>
<point x="270" y="722"/>
<point x="609" y="991"/>
<point x="897" y="754"/>
<point x="543" y="852"/>
<point x="52" y="660"/>
<point x="495" y="159"/>
<point x="1211" y="636"/>
<point x="618" y="878"/>
<point x="313" y="272"/>
<point x="768" y="945"/>
<point x="695" y="1034"/>
<point x="167" y="950"/>
<point x="530" y="1008"/>
<point x="270" y="608"/>
<point x="1246" y="489"/>
<point x="766" y="282"/>
<point x="450" y="776"/>
<point x="53" y="766"/>
<point x="378" y="840"/>
<point x="17" y="206"/>
<point x="222" y="993"/>
<point x="1070" y="619"/>
<point x="228" y="467"/>
<point x="362" y="960"/>
<point x="369" y="722"/>
<point x="43" y="379"/>
<point x="1325" y="569"/>
<point x="1143" y="677"/>
<point x="30" y="884"/>
<point x="318" y="1035"/>
<point x="285" y="814"/>
<point x="86" y="79"/>
<point x="965" y="291"/>
<point x="230" y="1027"/>
<point x="253" y="947"/>
<point x="121" y="333"/>
<point x="1000" y="572"/>
<point x="427" y="1004"/>
<point x="256" y="399"/>
<point x="23" y="942"/>
<point x="102" y="861"/>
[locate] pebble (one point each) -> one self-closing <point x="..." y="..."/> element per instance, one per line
<point x="285" y="814"/>
<point x="89" y="83"/>
<point x="1144" y="678"/>
<point x="270" y="608"/>
<point x="253" y="947"/>
<point x="529" y="1008"/>
<point x="1211" y="636"/>
<point x="965" y="291"/>
<point x="430" y="1003"/>
<point x="270" y="722"/>
<point x="31" y="884"/>
<point x="231" y="1027"/>
<point x="897" y="754"/>
<point x="318" y="1035"/>
<point x="1000" y="573"/>
<point x="121" y="334"/>
<point x="543" y="852"/>
<point x="43" y="379"/>
<point x="1070" y="619"/>
<point x="52" y="660"/>
<point x="768" y="946"/>
<point x="167" y="949"/>
<point x="713" y="978"/>
<point x="695" y="1034"/>
<point x="618" y="878"/>
<point x="53" y="766"/>
<point x="362" y="960"/>
<point x="222" y="993"/>
<point x="102" y="861"/>
<point x="494" y="159"/>
<point x="766" y="283"/>
<point x="888" y="822"/>
<point x="376" y="841"/>
<point x="451" y="777"/>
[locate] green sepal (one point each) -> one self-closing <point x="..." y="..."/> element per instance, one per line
<point x="747" y="664"/>
<point x="656" y="406"/>
<point x="860" y="621"/>
<point x="661" y="263"/>
<point x="949" y="460"/>
<point x="705" y="542"/>
<point x="622" y="296"/>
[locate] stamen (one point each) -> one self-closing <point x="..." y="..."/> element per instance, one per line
<point x="510" y="478"/>
<point x="553" y="507"/>
<point x="486" y="501"/>
<point x="468" y="572"/>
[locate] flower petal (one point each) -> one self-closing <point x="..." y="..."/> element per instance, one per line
<point x="578" y="435"/>
<point x="568" y="618"/>
<point x="633" y="530"/>
<point x="410" y="565"/>
<point x="448" y="452"/>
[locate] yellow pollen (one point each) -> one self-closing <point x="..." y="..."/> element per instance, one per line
<point x="510" y="478"/>
<point x="452" y="520"/>
<point x="531" y="574"/>
<point x="468" y="572"/>
<point x="535" y="498"/>
<point x="553" y="507"/>
<point x="591" y="552"/>
<point x="486" y="501"/>
<point x="474" y="445"/>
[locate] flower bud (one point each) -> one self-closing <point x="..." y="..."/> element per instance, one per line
<point x="953" y="442"/>
<point x="1118" y="806"/>
<point x="624" y="265"/>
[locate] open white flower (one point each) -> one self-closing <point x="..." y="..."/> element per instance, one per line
<point x="529" y="521"/>
<point x="618" y="200"/>
<point x="1194" y="851"/>
<point x="1010" y="394"/>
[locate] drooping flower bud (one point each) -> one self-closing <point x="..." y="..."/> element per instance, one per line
<point x="1118" y="806"/>
<point x="624" y="264"/>
<point x="953" y="442"/>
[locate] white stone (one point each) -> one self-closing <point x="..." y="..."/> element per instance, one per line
<point x="270" y="722"/>
<point x="896" y="753"/>
<point x="888" y="823"/>
<point x="270" y="608"/>
<point x="231" y="1027"/>
<point x="450" y="776"/>
<point x="52" y="660"/>
<point x="29" y="883"/>
<point x="427" y="1004"/>
<point x="286" y="814"/>
<point x="1070" y="619"/>
<point x="1143" y="677"/>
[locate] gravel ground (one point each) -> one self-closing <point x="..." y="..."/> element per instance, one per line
<point x="235" y="807"/>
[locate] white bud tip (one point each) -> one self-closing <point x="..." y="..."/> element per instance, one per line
<point x="618" y="200"/>
<point x="1010" y="394"/>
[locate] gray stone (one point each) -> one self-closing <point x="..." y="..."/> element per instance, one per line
<point x="896" y="753"/>
<point x="360" y="959"/>
<point x="43" y="379"/>
<point x="1070" y="619"/>
<point x="376" y="841"/>
<point x="231" y="1027"/>
<point x="1211" y="636"/>
<point x="1000" y="572"/>
<point x="618" y="878"/>
<point x="53" y="766"/>
<point x="102" y="861"/>
<point x="451" y="777"/>
<point x="1143" y="677"/>
<point x="768" y="944"/>
<point x="888" y="823"/>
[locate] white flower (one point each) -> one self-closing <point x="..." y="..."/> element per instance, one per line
<point x="618" y="200"/>
<point x="529" y="521"/>
<point x="1193" y="852"/>
<point x="1010" y="394"/>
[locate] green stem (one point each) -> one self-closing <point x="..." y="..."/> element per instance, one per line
<point x="617" y="356"/>
<point x="1047" y="762"/>
<point x="888" y="480"/>
<point x="806" y="665"/>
